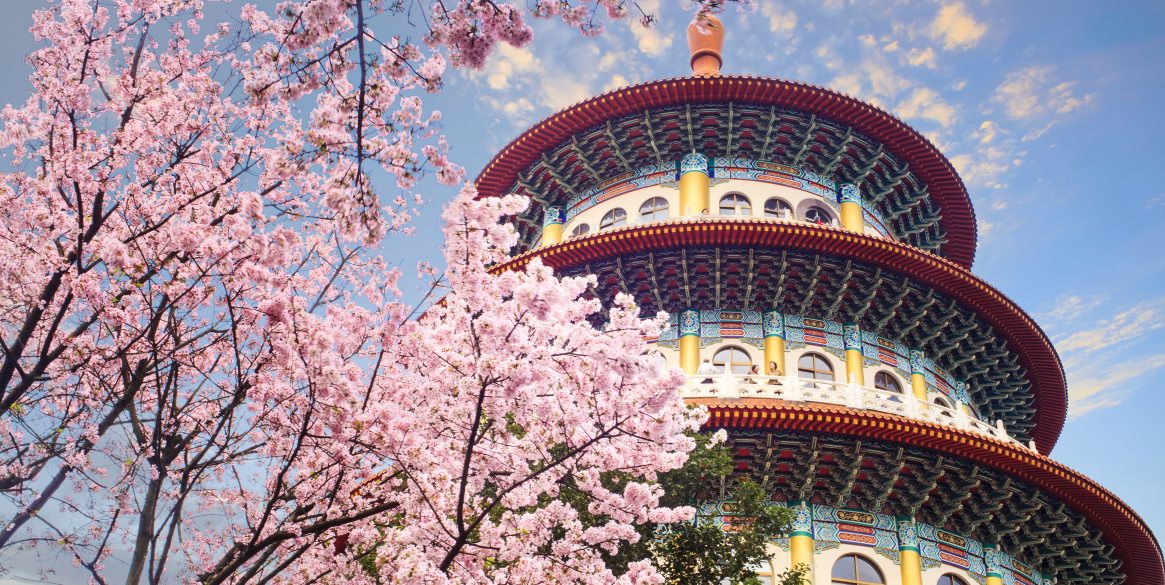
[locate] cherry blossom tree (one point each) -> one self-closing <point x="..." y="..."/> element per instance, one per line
<point x="207" y="372"/>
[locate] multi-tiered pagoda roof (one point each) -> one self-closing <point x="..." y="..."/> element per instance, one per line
<point x="896" y="286"/>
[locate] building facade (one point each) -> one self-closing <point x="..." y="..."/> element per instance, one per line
<point x="814" y="253"/>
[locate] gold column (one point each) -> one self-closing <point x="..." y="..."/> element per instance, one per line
<point x="854" y="366"/>
<point x="908" y="556"/>
<point x="991" y="556"/>
<point x="801" y="538"/>
<point x="851" y="208"/>
<point x="694" y="185"/>
<point x="917" y="379"/>
<point x="773" y="325"/>
<point x="689" y="341"/>
<point x="552" y="226"/>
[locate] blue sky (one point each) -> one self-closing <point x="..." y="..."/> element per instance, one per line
<point x="1050" y="111"/>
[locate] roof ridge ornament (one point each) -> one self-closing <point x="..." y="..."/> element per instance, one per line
<point x="706" y="41"/>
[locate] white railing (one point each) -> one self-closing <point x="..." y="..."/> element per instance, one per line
<point x="729" y="386"/>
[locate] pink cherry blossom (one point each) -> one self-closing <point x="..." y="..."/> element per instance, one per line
<point x="207" y="371"/>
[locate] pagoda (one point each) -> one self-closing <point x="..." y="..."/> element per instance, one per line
<point x="814" y="254"/>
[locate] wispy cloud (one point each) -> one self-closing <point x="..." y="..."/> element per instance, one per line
<point x="1155" y="202"/>
<point x="1142" y="318"/>
<point x="1035" y="91"/>
<point x="1106" y="358"/>
<point x="1094" y="386"/>
<point x="1068" y="308"/>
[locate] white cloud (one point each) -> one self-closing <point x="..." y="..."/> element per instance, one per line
<point x="508" y="61"/>
<point x="999" y="205"/>
<point x="616" y="82"/>
<point x="1038" y="132"/>
<point x="782" y="20"/>
<point x="651" y="40"/>
<point x="986" y="227"/>
<point x="986" y="167"/>
<point x="1154" y="202"/>
<point x="1032" y="91"/>
<point x="921" y="58"/>
<point x="959" y="85"/>
<point x="560" y="91"/>
<point x="987" y="132"/>
<point x="926" y="104"/>
<point x="956" y="28"/>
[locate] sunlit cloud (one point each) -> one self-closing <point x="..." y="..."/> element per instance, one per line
<point x="781" y="20"/>
<point x="921" y="58"/>
<point x="1101" y="357"/>
<point x="956" y="28"/>
<point x="652" y="40"/>
<point x="926" y="104"/>
<point x="1105" y="384"/>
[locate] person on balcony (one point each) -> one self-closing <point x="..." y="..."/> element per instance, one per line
<point x="752" y="371"/>
<point x="773" y="372"/>
<point x="706" y="369"/>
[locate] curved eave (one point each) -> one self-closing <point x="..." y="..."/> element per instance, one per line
<point x="1034" y="350"/>
<point x="944" y="184"/>
<point x="1136" y="547"/>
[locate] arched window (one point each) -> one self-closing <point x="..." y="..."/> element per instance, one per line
<point x="942" y="401"/>
<point x="732" y="359"/>
<point x="886" y="381"/>
<point x="614" y="218"/>
<point x="812" y="366"/>
<point x="818" y="215"/>
<point x="856" y="570"/>
<point x="735" y="204"/>
<point x="778" y="208"/>
<point x="581" y="229"/>
<point x="950" y="579"/>
<point x="653" y="209"/>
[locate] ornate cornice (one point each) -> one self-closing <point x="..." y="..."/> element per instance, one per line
<point x="923" y="159"/>
<point x="1135" y="546"/>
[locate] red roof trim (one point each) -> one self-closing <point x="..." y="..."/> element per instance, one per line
<point x="1034" y="349"/>
<point x="1136" y="547"/>
<point x="924" y="159"/>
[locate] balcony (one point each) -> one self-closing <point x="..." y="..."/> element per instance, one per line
<point x="729" y="386"/>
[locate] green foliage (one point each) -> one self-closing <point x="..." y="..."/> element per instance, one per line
<point x="702" y="552"/>
<point x="798" y="575"/>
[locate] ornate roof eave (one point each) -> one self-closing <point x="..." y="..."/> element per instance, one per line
<point x="1136" y="547"/>
<point x="1034" y="349"/>
<point x="944" y="184"/>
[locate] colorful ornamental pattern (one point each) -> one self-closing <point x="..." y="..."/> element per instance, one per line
<point x="891" y="290"/>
